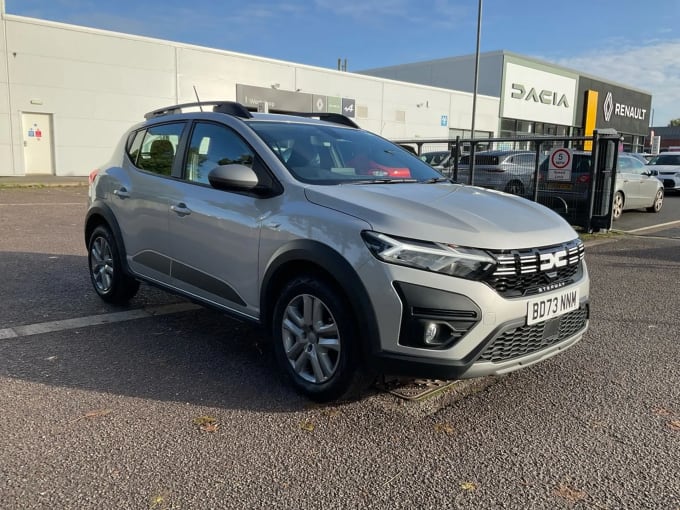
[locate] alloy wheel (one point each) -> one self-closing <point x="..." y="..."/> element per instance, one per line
<point x="311" y="339"/>
<point x="617" y="207"/>
<point x="101" y="262"/>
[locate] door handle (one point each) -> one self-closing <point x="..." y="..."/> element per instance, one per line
<point x="180" y="209"/>
<point x="121" y="193"/>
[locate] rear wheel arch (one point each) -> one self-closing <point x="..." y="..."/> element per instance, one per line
<point x="658" y="201"/>
<point x="100" y="214"/>
<point x="515" y="187"/>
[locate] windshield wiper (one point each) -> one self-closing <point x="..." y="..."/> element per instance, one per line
<point x="385" y="181"/>
<point x="436" y="179"/>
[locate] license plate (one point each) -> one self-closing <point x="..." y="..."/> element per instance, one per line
<point x="559" y="185"/>
<point x="543" y="308"/>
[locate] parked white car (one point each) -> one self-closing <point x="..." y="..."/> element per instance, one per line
<point x="666" y="167"/>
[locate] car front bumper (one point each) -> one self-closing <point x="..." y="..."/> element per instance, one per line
<point x="490" y="333"/>
<point x="670" y="182"/>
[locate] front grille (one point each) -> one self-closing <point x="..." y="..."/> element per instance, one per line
<point x="668" y="183"/>
<point x="525" y="340"/>
<point x="526" y="272"/>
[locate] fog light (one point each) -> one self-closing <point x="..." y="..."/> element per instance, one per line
<point x="431" y="333"/>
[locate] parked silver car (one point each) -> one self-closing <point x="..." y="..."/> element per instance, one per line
<point x="357" y="257"/>
<point x="504" y="170"/>
<point x="635" y="186"/>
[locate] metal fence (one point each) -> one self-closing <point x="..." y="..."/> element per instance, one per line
<point x="581" y="192"/>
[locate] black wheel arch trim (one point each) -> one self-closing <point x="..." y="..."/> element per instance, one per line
<point x="99" y="208"/>
<point x="338" y="268"/>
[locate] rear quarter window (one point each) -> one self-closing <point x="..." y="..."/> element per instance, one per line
<point x="154" y="148"/>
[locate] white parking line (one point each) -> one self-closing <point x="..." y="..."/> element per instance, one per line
<point x="660" y="225"/>
<point x="94" y="320"/>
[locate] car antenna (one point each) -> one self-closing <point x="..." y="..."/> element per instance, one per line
<point x="197" y="98"/>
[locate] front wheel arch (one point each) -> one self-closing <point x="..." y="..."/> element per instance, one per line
<point x="312" y="257"/>
<point x="317" y="342"/>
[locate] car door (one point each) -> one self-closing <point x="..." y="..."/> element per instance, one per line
<point x="629" y="181"/>
<point x="140" y="198"/>
<point x="214" y="234"/>
<point x="648" y="183"/>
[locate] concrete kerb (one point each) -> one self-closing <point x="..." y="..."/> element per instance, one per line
<point x="41" y="181"/>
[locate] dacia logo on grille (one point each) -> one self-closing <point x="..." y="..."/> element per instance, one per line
<point x="553" y="260"/>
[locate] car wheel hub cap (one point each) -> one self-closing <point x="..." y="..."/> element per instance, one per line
<point x="101" y="260"/>
<point x="311" y="339"/>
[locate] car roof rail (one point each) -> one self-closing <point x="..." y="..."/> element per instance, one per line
<point x="238" y="110"/>
<point x="336" y="118"/>
<point x="226" y="107"/>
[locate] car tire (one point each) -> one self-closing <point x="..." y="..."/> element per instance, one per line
<point x="658" y="202"/>
<point x="106" y="268"/>
<point x="617" y="205"/>
<point x="515" y="188"/>
<point x="316" y="341"/>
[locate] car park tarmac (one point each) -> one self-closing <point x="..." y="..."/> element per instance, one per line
<point x="163" y="404"/>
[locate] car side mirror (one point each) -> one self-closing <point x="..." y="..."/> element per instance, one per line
<point x="233" y="177"/>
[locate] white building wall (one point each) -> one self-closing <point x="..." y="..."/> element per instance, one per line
<point x="6" y="160"/>
<point x="96" y="84"/>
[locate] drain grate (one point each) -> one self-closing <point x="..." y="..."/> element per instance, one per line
<point x="416" y="389"/>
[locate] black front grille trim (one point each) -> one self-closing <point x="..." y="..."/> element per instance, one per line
<point x="532" y="271"/>
<point x="517" y="342"/>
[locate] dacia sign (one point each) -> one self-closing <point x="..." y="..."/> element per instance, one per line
<point x="519" y="91"/>
<point x="540" y="96"/>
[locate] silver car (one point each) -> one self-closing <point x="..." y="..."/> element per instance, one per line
<point x="504" y="170"/>
<point x="635" y="186"/>
<point x="357" y="257"/>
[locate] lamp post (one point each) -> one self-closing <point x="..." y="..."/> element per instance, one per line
<point x="471" y="178"/>
<point x="474" y="93"/>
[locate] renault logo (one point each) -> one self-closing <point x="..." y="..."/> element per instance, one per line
<point x="608" y="107"/>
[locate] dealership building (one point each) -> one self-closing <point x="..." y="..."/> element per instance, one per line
<point x="537" y="97"/>
<point x="68" y="93"/>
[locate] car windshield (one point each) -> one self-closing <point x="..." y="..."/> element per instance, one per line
<point x="666" y="159"/>
<point x="329" y="154"/>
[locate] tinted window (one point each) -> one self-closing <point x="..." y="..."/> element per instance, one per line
<point x="153" y="149"/>
<point x="329" y="154"/>
<point x="480" y="159"/>
<point x="524" y="159"/>
<point x="213" y="145"/>
<point x="666" y="159"/>
<point x="624" y="164"/>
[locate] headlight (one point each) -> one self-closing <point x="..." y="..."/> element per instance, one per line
<point x="429" y="256"/>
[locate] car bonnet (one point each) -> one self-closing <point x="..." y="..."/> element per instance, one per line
<point x="463" y="215"/>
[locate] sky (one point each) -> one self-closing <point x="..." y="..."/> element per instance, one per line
<point x="635" y="44"/>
